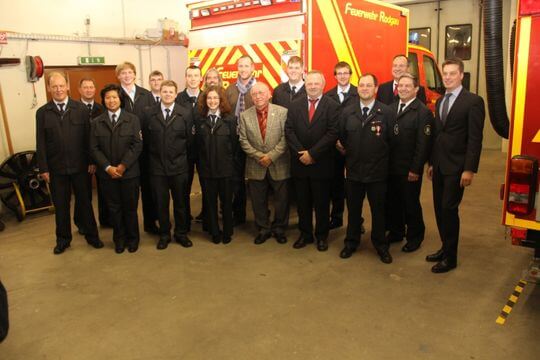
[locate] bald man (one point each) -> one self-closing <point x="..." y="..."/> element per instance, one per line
<point x="262" y="137"/>
<point x="62" y="134"/>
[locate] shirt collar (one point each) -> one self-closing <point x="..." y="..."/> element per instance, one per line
<point x="456" y="91"/>
<point x="131" y="92"/>
<point x="370" y="105"/>
<point x="263" y="110"/>
<point x="65" y="102"/>
<point x="298" y="85"/>
<point x="407" y="103"/>
<point x="88" y="102"/>
<point x="190" y="92"/>
<point x="318" y="98"/>
<point x="163" y="107"/>
<point x="117" y="113"/>
<point x="217" y="113"/>
<point x="341" y="90"/>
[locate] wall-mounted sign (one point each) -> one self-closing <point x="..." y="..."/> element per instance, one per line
<point x="91" y="60"/>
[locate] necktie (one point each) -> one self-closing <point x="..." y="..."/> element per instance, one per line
<point x="157" y="99"/>
<point x="61" y="107"/>
<point x="193" y="100"/>
<point x="395" y="90"/>
<point x="446" y="104"/>
<point x="365" y="110"/>
<point x="89" y="106"/>
<point x="113" y="120"/>
<point x="168" y="116"/>
<point x="401" y="106"/>
<point x="213" y="120"/>
<point x="293" y="91"/>
<point x="312" y="103"/>
<point x="263" y="115"/>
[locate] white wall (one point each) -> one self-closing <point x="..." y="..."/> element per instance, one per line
<point x="66" y="17"/>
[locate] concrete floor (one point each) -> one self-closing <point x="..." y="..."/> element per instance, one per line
<point x="241" y="301"/>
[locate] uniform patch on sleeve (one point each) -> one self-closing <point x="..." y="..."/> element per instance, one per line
<point x="427" y="130"/>
<point x="396" y="129"/>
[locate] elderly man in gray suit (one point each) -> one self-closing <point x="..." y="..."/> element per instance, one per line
<point x="262" y="138"/>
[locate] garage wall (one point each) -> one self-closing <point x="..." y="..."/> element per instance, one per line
<point x="111" y="18"/>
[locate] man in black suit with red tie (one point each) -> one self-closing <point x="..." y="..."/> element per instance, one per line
<point x="311" y="133"/>
<point x="459" y="123"/>
<point x="344" y="93"/>
<point x="388" y="93"/>
<point x="294" y="88"/>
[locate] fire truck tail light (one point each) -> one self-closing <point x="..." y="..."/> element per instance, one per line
<point x="522" y="185"/>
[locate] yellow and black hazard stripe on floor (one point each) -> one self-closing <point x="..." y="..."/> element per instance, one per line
<point x="512" y="300"/>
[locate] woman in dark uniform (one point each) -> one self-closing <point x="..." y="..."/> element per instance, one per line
<point x="115" y="145"/>
<point x="217" y="143"/>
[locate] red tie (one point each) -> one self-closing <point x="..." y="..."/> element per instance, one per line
<point x="312" y="103"/>
<point x="395" y="89"/>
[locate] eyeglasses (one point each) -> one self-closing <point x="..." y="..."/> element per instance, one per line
<point x="343" y="73"/>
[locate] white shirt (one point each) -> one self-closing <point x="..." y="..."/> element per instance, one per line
<point x="131" y="93"/>
<point x="65" y="102"/>
<point x="163" y="107"/>
<point x="369" y="106"/>
<point x="342" y="91"/>
<point x="451" y="100"/>
<point x="406" y="104"/>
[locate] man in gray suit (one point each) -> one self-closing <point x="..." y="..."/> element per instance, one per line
<point x="262" y="138"/>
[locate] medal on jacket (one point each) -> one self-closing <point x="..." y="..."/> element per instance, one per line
<point x="378" y="130"/>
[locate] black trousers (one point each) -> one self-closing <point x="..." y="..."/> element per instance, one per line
<point x="103" y="209"/>
<point x="61" y="187"/>
<point x="122" y="199"/>
<point x="404" y="213"/>
<point x="260" y="191"/>
<point x="222" y="188"/>
<point x="447" y="195"/>
<point x="165" y="187"/>
<point x="4" y="314"/>
<point x="148" y="206"/>
<point x="337" y="188"/>
<point x="376" y="194"/>
<point x="103" y="214"/>
<point x="313" y="194"/>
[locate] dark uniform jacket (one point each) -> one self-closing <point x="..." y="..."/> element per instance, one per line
<point x="97" y="109"/>
<point x="458" y="143"/>
<point x="282" y="94"/>
<point x="351" y="97"/>
<point x="168" y="142"/>
<point x="119" y="145"/>
<point x="410" y="138"/>
<point x="62" y="140"/>
<point x="217" y="147"/>
<point x="184" y="99"/>
<point x="385" y="94"/>
<point x="366" y="142"/>
<point x="318" y="137"/>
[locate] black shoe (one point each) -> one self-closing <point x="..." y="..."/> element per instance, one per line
<point x="163" y="243"/>
<point x="183" y="240"/>
<point x="435" y="257"/>
<point x="322" y="245"/>
<point x="261" y="238"/>
<point x="151" y="229"/>
<point x="335" y="223"/>
<point x="444" y="266"/>
<point x="60" y="248"/>
<point x="302" y="242"/>
<point x="81" y="231"/>
<point x="95" y="243"/>
<point x="119" y="249"/>
<point x="410" y="247"/>
<point x="133" y="248"/>
<point x="226" y="239"/>
<point x="281" y="238"/>
<point x="216" y="239"/>
<point x="238" y="222"/>
<point x="346" y="252"/>
<point x="385" y="256"/>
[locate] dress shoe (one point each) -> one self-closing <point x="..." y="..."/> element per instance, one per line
<point x="281" y="238"/>
<point x="226" y="239"/>
<point x="151" y="229"/>
<point x="302" y="242"/>
<point x="346" y="252"/>
<point x="95" y="243"/>
<point x="385" y="256"/>
<point x="119" y="249"/>
<point x="444" y="266"/>
<point x="133" y="248"/>
<point x="410" y="247"/>
<point x="261" y="238"/>
<point x="60" y="248"/>
<point x="216" y="239"/>
<point x="322" y="245"/>
<point x="183" y="240"/>
<point x="163" y="243"/>
<point x="435" y="257"/>
<point x="335" y="223"/>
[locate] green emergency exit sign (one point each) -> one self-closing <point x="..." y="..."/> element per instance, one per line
<point x="91" y="60"/>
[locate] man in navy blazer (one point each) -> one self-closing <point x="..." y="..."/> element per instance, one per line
<point x="458" y="128"/>
<point x="387" y="93"/>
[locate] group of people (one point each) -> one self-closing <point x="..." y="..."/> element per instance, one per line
<point x="324" y="148"/>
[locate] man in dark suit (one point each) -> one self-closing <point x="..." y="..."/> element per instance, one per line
<point x="135" y="100"/>
<point x="62" y="133"/>
<point x="388" y="93"/>
<point x="459" y="123"/>
<point x="410" y="140"/>
<point x="364" y="134"/>
<point x="155" y="79"/>
<point x="188" y="98"/>
<point x="170" y="136"/>
<point x="292" y="89"/>
<point x="311" y="133"/>
<point x="343" y="93"/>
<point x="87" y="90"/>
